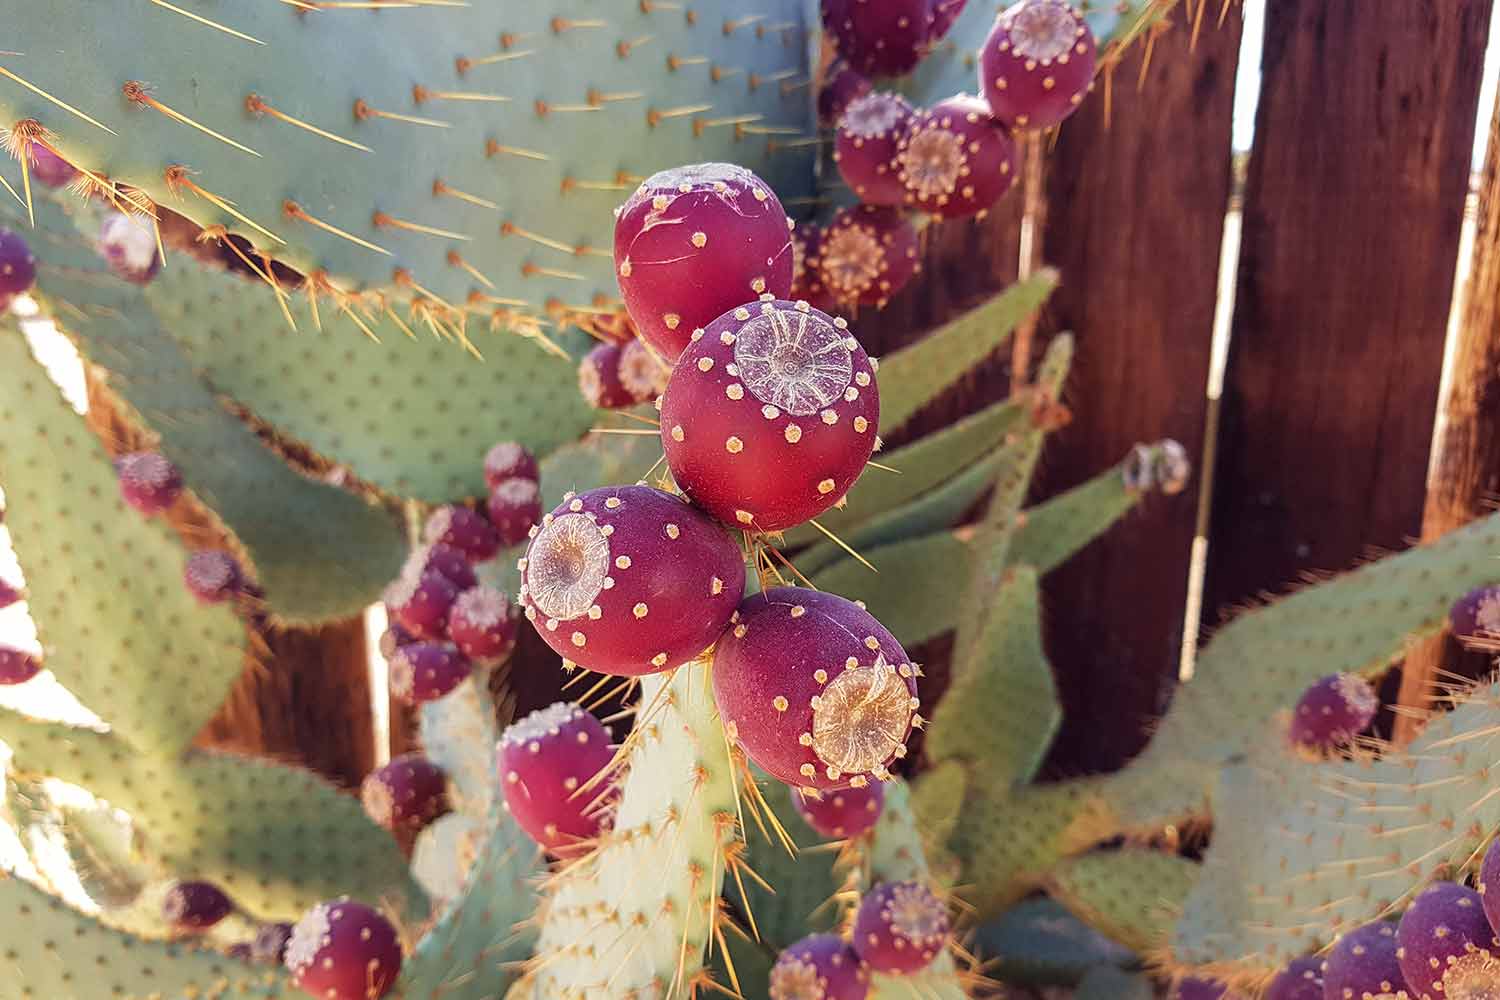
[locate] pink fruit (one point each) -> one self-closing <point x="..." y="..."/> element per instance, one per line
<point x="694" y="241"/>
<point x="817" y="693"/>
<point x="212" y="576"/>
<point x="1363" y="964"/>
<point x="1201" y="989"/>
<point x="49" y="168"/>
<point x="405" y="794"/>
<point x="508" y="460"/>
<point x="770" y="416"/>
<point x="846" y="813"/>
<point x="1477" y="613"/>
<point x="425" y="671"/>
<point x="344" y="951"/>
<point x="9" y="594"/>
<point x="544" y="759"/>
<point x="515" y="505"/>
<point x="482" y="623"/>
<point x="865" y="146"/>
<point x="195" y="906"/>
<point x="128" y="245"/>
<point x="465" y="530"/>
<point x="17" y="264"/>
<point x="393" y="638"/>
<point x="17" y="666"/>
<point x="841" y="85"/>
<point x="956" y="160"/>
<point x="599" y="379"/>
<point x="1333" y="711"/>
<point x="868" y="254"/>
<point x="900" y="927"/>
<point x="1037" y="64"/>
<point x="445" y="560"/>
<point x="880" y="37"/>
<point x="819" y="967"/>
<point x="420" y="600"/>
<point x="1302" y="979"/>
<point x="944" y="13"/>
<point x="1445" y="944"/>
<point x="641" y="374"/>
<point x="629" y="580"/>
<point x="148" y="482"/>
<point x="807" y="276"/>
<point x="1489" y="884"/>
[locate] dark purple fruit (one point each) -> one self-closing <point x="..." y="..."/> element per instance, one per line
<point x="1037" y="64"/>
<point x="842" y="85"/>
<point x="1445" y="944"/>
<point x="599" y="379"/>
<point x="17" y="666"/>
<point x="1302" y="979"/>
<point x="148" y="482"/>
<point x="344" y="951"/>
<point x="509" y="460"/>
<point x="1363" y="964"/>
<point x="425" y="671"/>
<point x="514" y="507"/>
<point x="406" y="794"/>
<point x="1477" y="613"/>
<point x="900" y="927"/>
<point x="17" y="265"/>
<point x="956" y="160"/>
<point x="865" y="146"/>
<point x="49" y="168"/>
<point x="846" y="813"/>
<point x="868" y="254"/>
<point x="483" y="623"/>
<point x="9" y="594"/>
<point x="420" y="600"/>
<point x="212" y="576"/>
<point x="880" y="37"/>
<point x="193" y="907"/>
<point x="465" y="530"/>
<point x="819" y="967"/>
<point x="1332" y="712"/>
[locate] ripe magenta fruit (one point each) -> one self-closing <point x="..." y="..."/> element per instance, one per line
<point x="148" y="482"/>
<point x="482" y="623"/>
<point x="405" y="794"/>
<point x="865" y="146"/>
<point x="819" y="967"/>
<point x="1363" y="964"/>
<point x="814" y="689"/>
<point x="1302" y="979"/>
<point x="464" y="529"/>
<point x="344" y="951"/>
<point x="841" y="85"/>
<point x="846" y="813"/>
<point x="1445" y="944"/>
<point x="393" y="638"/>
<point x="269" y="946"/>
<point x="642" y="375"/>
<point x="1477" y="613"/>
<point x="509" y="460"/>
<point x="420" y="600"/>
<point x="1200" y="989"/>
<point x="192" y="907"/>
<point x="944" y="13"/>
<point x="956" y="160"/>
<point x="17" y="264"/>
<point x="17" y="666"/>
<point x="807" y="276"/>
<point x="868" y="254"/>
<point x="1332" y="712"/>
<point x="880" y="37"/>
<point x="599" y="378"/>
<point x="1489" y="884"/>
<point x="49" y="168"/>
<point x="770" y="415"/>
<point x="425" y="671"/>
<point x="212" y="576"/>
<point x="128" y="245"/>
<point x="9" y="594"/>
<point x="543" y="760"/>
<point x="446" y="561"/>
<point x="515" y="505"/>
<point x="630" y="580"/>
<point x="1037" y="64"/>
<point x="694" y="241"/>
<point x="900" y="927"/>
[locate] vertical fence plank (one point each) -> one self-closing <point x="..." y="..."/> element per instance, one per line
<point x="1135" y="216"/>
<point x="1353" y="208"/>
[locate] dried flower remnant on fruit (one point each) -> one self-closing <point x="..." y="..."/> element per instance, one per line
<point x="862" y="718"/>
<point x="819" y="967"/>
<point x="566" y="566"/>
<point x="900" y="927"/>
<point x="344" y="951"/>
<point x="790" y="360"/>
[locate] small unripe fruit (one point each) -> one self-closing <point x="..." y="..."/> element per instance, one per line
<point x="955" y="160"/>
<point x="599" y="379"/>
<point x="1477" y="613"/>
<point x="128" y="245"/>
<point x="1037" y="65"/>
<point x="1332" y="712"/>
<point x="405" y="794"/>
<point x="880" y="37"/>
<point x="269" y="946"/>
<point x="148" y="482"/>
<point x="509" y="460"/>
<point x="630" y="580"/>
<point x="868" y="254"/>
<point x="344" y="951"/>
<point x="465" y="530"/>
<point x="1363" y="964"/>
<point x="9" y="594"/>
<point x="483" y="623"/>
<point x="841" y="85"/>
<point x="425" y="671"/>
<point x="17" y="264"/>
<point x="49" y="168"/>
<point x="770" y="415"/>
<point x="817" y="693"/>
<point x="212" y="576"/>
<point x="420" y="601"/>
<point x="694" y="241"/>
<point x="1445" y="944"/>
<point x="846" y="813"/>
<point x="819" y="967"/>
<point x="543" y="761"/>
<point x="869" y="134"/>
<point x="900" y="927"/>
<point x="445" y="560"/>
<point x="642" y="375"/>
<point x="193" y="907"/>
<point x="17" y="666"/>
<point x="514" y="507"/>
<point x="1302" y="979"/>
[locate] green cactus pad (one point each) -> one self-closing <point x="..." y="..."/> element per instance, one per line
<point x="458" y="735"/>
<point x="118" y="627"/>
<point x="104" y="855"/>
<point x="896" y="594"/>
<point x="1132" y="895"/>
<point x="1038" y="942"/>
<point x="1052" y="531"/>
<point x="599" y="459"/>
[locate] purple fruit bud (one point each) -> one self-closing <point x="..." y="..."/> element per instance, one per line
<point x="1302" y="979"/>
<point x="448" y="562"/>
<point x="880" y="37"/>
<point x="1445" y="944"/>
<point x="344" y="951"/>
<point x="869" y="134"/>
<point x="599" y="379"/>
<point x="212" y="576"/>
<point x="1201" y="989"/>
<point x="819" y="967"/>
<point x="9" y="594"/>
<point x="17" y="265"/>
<point x="514" y="508"/>
<point x="128" y="245"/>
<point x="242" y="951"/>
<point x="640" y="373"/>
<point x="483" y="623"/>
<point x="1477" y="613"/>
<point x="1037" y="64"/>
<point x="465" y="530"/>
<point x="1332" y="712"/>
<point x="1489" y="884"/>
<point x="630" y="580"/>
<point x="425" y="671"/>
<point x="49" y="168"/>
<point x="508" y="460"/>
<point x="148" y="482"/>
<point x="814" y="689"/>
<point x="900" y="927"/>
<point x="543" y="760"/>
<point x="420" y="601"/>
<point x="1363" y="965"/>
<point x="841" y="86"/>
<point x="955" y="160"/>
<point x="868" y="254"/>
<point x="393" y="638"/>
<point x="807" y="275"/>
<point x="192" y="907"/>
<point x="846" y="813"/>
<point x="17" y="666"/>
<point x="405" y="794"/>
<point x="269" y="946"/>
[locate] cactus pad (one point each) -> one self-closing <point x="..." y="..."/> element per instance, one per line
<point x="1131" y="895"/>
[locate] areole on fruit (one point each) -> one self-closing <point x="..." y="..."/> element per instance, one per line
<point x="1037" y="64"/>
<point x="819" y="967"/>
<point x="955" y="160"/>
<point x="868" y="137"/>
<point x="868" y="253"/>
<point x="900" y="927"/>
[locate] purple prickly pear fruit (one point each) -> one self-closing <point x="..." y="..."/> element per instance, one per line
<point x="694" y="241"/>
<point x="944" y="13"/>
<point x="841" y="85"/>
<point x="514" y="507"/>
<point x="405" y="794"/>
<point x="1200" y="989"/>
<point x="846" y="813"/>
<point x="956" y="160"/>
<point x="17" y="265"/>
<point x="193" y="907"/>
<point x="770" y="415"/>
<point x="269" y="946"/>
<point x="49" y="168"/>
<point x="1445" y="944"/>
<point x="482" y="623"/>
<point x="865" y="146"/>
<point x="1037" y="64"/>
<point x="1332" y="712"/>
<point x="543" y="760"/>
<point x="819" y="967"/>
<point x="128" y="245"/>
<point x="880" y="37"/>
<point x="9" y="594"/>
<point x="344" y="951"/>
<point x="393" y="638"/>
<point x="17" y="666"/>
<point x="1302" y="979"/>
<point x="1363" y="965"/>
<point x="1489" y="884"/>
<point x="242" y="952"/>
<point x="900" y="927"/>
<point x="420" y="600"/>
<point x="807" y="277"/>
<point x="640" y="373"/>
<point x="599" y="379"/>
<point x="425" y="671"/>
<point x="868" y="254"/>
<point x="447" y="561"/>
<point x="148" y="482"/>
<point x="1477" y="613"/>
<point x="814" y="689"/>
<point x="509" y="460"/>
<point x="466" y="530"/>
<point x="212" y="576"/>
<point x="630" y="580"/>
